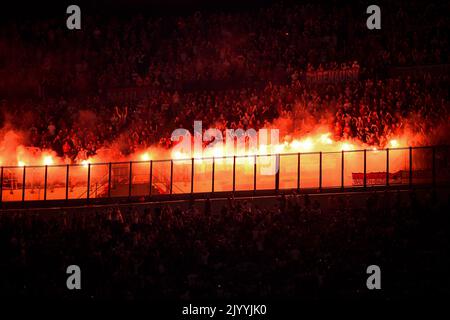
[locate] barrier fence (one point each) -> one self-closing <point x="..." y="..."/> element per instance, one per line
<point x="313" y="170"/>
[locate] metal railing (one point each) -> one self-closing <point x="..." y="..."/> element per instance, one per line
<point x="310" y="170"/>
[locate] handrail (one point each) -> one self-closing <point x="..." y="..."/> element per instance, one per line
<point x="161" y="176"/>
<point x="97" y="188"/>
<point x="226" y="157"/>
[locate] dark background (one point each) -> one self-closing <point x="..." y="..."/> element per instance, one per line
<point x="48" y="8"/>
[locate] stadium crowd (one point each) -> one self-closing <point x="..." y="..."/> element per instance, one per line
<point x="76" y="92"/>
<point x="294" y="247"/>
<point x="228" y="69"/>
<point x="269" y="44"/>
<point x="368" y="110"/>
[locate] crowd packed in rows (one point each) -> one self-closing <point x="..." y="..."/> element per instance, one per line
<point x="129" y="82"/>
<point x="270" y="43"/>
<point x="229" y="69"/>
<point x="367" y="110"/>
<point x="299" y="246"/>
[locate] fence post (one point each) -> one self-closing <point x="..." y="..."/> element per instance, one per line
<point x="109" y="179"/>
<point x="298" y="171"/>
<point x="1" y="186"/>
<point x="387" y="167"/>
<point x="150" y="178"/>
<point x="23" y="183"/>
<point x="254" y="176"/>
<point x="192" y="176"/>
<point x="130" y="179"/>
<point x="410" y="167"/>
<point x="171" y="175"/>
<point x="88" y="181"/>
<point x="365" y="169"/>
<point x="45" y="183"/>
<point x="67" y="182"/>
<point x="320" y="170"/>
<point x="213" y="174"/>
<point x="234" y="174"/>
<point x="277" y="173"/>
<point x="342" y="169"/>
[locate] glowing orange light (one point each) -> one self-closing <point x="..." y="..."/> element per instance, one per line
<point x="85" y="163"/>
<point x="177" y="155"/>
<point x="346" y="147"/>
<point x="48" y="160"/>
<point x="197" y="156"/>
<point x="296" y="144"/>
<point x="21" y="163"/>
<point x="250" y="160"/>
<point x="263" y="149"/>
<point x="394" y="143"/>
<point x="218" y="152"/>
<point x="306" y="145"/>
<point x="145" y="156"/>
<point x="325" y="138"/>
<point x="279" y="148"/>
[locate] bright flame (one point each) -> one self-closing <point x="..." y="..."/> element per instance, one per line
<point x="85" y="163"/>
<point x="296" y="144"/>
<point x="145" y="156"/>
<point x="198" y="157"/>
<point x="306" y="145"/>
<point x="325" y="139"/>
<point x="279" y="148"/>
<point x="48" y="160"/>
<point x="177" y="155"/>
<point x="218" y="152"/>
<point x="263" y="149"/>
<point x="21" y="164"/>
<point x="346" y="147"/>
<point x="394" y="143"/>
